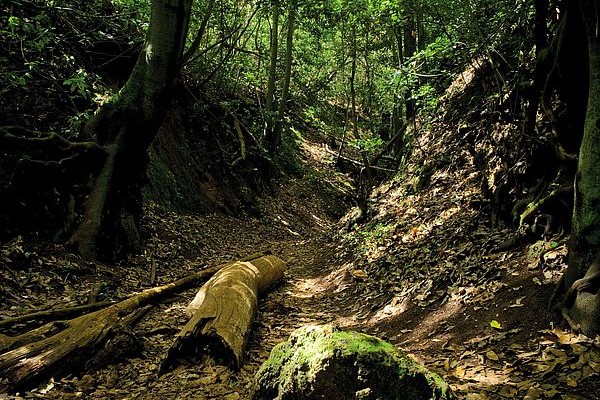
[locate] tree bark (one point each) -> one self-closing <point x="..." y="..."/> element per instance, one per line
<point x="82" y="339"/>
<point x="353" y="56"/>
<point x="126" y="125"/>
<point x="269" y="140"/>
<point x="421" y="35"/>
<point x="224" y="309"/>
<point x="584" y="312"/>
<point x="410" y="48"/>
<point x="286" y="79"/>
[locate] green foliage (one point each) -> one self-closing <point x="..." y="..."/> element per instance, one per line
<point x="233" y="55"/>
<point x="369" y="145"/>
<point x="61" y="51"/>
<point x="78" y="83"/>
<point x="426" y="99"/>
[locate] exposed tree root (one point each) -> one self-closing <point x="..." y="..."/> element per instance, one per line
<point x="534" y="206"/>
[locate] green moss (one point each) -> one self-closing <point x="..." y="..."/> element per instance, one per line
<point x="324" y="359"/>
<point x="163" y="184"/>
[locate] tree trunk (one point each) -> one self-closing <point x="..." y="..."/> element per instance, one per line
<point x="583" y="308"/>
<point x="397" y="113"/>
<point x="421" y="35"/>
<point x="269" y="140"/>
<point x="353" y="82"/>
<point x="286" y="79"/>
<point x="542" y="64"/>
<point x="410" y="48"/>
<point x="224" y="309"/>
<point x="189" y="53"/>
<point x="126" y="125"/>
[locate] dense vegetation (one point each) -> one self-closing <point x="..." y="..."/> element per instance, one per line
<point x="106" y="104"/>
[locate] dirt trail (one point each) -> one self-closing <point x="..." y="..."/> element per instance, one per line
<point x="428" y="281"/>
<point x="297" y="224"/>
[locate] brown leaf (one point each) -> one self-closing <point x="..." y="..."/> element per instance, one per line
<point x="508" y="392"/>
<point x="492" y="355"/>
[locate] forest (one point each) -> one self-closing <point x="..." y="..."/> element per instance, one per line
<point x="300" y="199"/>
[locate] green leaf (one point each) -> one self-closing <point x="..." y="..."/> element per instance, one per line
<point x="495" y="324"/>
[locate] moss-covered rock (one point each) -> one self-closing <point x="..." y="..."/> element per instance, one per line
<point x="324" y="362"/>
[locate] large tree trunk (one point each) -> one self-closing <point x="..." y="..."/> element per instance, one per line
<point x="579" y="288"/>
<point x="126" y="125"/>
<point x="224" y="309"/>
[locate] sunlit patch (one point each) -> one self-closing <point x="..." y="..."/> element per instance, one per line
<point x="316" y="152"/>
<point x="464" y="79"/>
<point x="450" y="212"/>
<point x="287" y="226"/>
<point x="346" y="321"/>
<point x="393" y="309"/>
<point x="319" y="220"/>
<point x="149" y="52"/>
<point x="335" y="281"/>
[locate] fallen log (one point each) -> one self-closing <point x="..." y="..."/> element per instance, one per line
<point x="10" y="342"/>
<point x="52" y="314"/>
<point x="357" y="163"/>
<point x="223" y="311"/>
<point x="82" y="338"/>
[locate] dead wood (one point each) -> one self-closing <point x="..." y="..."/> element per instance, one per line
<point x="82" y="339"/>
<point x="53" y="314"/>
<point x="388" y="146"/>
<point x="223" y="311"/>
<point x="359" y="164"/>
<point x="10" y="342"/>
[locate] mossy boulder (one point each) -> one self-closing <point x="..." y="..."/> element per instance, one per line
<point x="325" y="362"/>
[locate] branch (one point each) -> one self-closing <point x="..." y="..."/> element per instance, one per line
<point x="54" y="313"/>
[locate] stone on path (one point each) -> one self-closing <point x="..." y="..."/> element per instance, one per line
<point x="325" y="362"/>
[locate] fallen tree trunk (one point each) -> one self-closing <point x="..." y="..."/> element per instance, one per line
<point x="82" y="339"/>
<point x="223" y="311"/>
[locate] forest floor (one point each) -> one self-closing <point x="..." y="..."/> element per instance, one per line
<point x="422" y="273"/>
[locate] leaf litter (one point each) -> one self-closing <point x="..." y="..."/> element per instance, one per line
<point x="422" y="273"/>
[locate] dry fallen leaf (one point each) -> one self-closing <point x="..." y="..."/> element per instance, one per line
<point x="359" y="274"/>
<point x="477" y="396"/>
<point x="533" y="393"/>
<point x="459" y="372"/>
<point x="508" y="392"/>
<point x="492" y="355"/>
